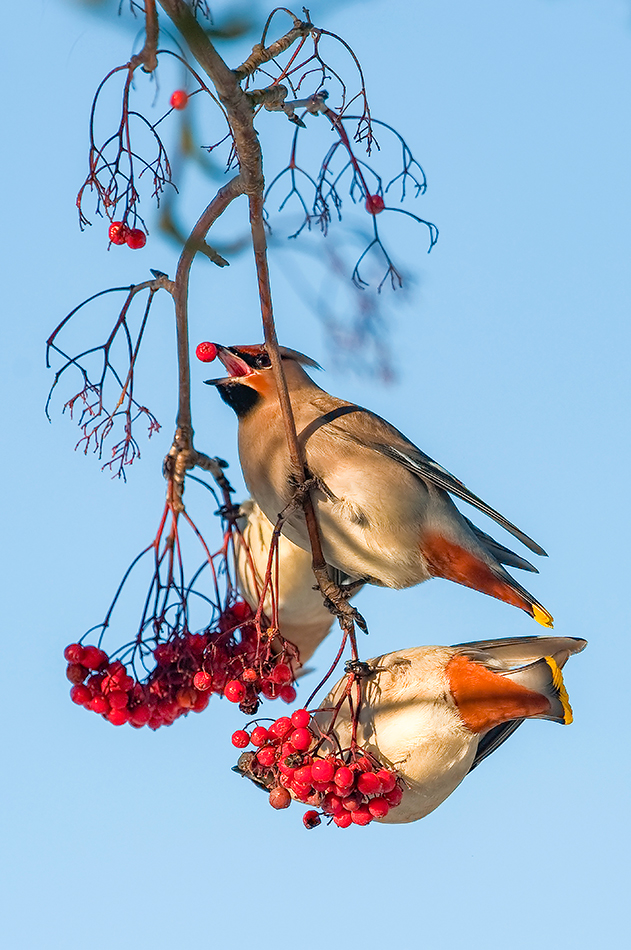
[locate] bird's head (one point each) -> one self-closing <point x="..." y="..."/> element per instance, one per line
<point x="250" y="378"/>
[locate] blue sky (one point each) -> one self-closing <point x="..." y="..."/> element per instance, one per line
<point x="512" y="357"/>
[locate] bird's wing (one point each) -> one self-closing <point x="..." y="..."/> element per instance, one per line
<point x="367" y="429"/>
<point x="499" y="552"/>
<point x="493" y="739"/>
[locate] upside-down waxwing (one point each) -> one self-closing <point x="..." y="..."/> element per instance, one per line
<point x="434" y="713"/>
<point x="302" y="617"/>
<point x="384" y="507"/>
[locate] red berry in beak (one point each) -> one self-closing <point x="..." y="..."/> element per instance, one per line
<point x="206" y="352"/>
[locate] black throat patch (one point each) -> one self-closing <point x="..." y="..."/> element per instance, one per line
<point x="239" y="397"/>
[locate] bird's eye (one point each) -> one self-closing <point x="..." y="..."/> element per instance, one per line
<point x="263" y="361"/>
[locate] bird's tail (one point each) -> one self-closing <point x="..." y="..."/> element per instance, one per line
<point x="453" y="562"/>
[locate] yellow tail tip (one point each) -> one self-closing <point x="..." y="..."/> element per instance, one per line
<point x="559" y="685"/>
<point x="542" y="616"/>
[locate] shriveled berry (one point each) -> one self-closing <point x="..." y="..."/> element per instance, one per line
<point x="361" y="816"/>
<point x="311" y="819"/>
<point x="323" y="770"/>
<point x="288" y="694"/>
<point x="240" y="739"/>
<point x="343" y="777"/>
<point x="234" y="691"/>
<point x="73" y="653"/>
<point x="76" y="672"/>
<point x="282" y="674"/>
<point x="202" y="680"/>
<point x="118" y="232"/>
<point x="300" y="718"/>
<point x="206" y="352"/>
<point x="343" y="820"/>
<point x="279" y="798"/>
<point x="259" y="735"/>
<point x="135" y="239"/>
<point x="300" y="739"/>
<point x="378" y="807"/>
<point x="369" y="783"/>
<point x="281" y="727"/>
<point x="352" y="801"/>
<point x="250" y="675"/>
<point x="375" y="204"/>
<point x="185" y="697"/>
<point x="266" y="756"/>
<point x="179" y="99"/>
<point x="80" y="695"/>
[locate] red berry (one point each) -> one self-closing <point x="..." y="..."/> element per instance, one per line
<point x="311" y="819"/>
<point x="234" y="691"/>
<point x="378" y="807"/>
<point x="135" y="239"/>
<point x="118" y="699"/>
<point x="73" y="653"/>
<point x="240" y="739"/>
<point x="394" y="797"/>
<point x="202" y="680"/>
<point x="266" y="756"/>
<point x="303" y="775"/>
<point x="80" y="695"/>
<point x="361" y="816"/>
<point x="369" y="783"/>
<point x="201" y="702"/>
<point x="387" y="778"/>
<point x="100" y="704"/>
<point x="269" y="690"/>
<point x="282" y="674"/>
<point x="323" y="770"/>
<point x="281" y="727"/>
<point x="300" y="718"/>
<point x="343" y="820"/>
<point x="94" y="658"/>
<point x="288" y="694"/>
<point x="179" y="99"/>
<point x="259" y="735"/>
<point x="302" y="792"/>
<point x="118" y="232"/>
<point x="375" y="204"/>
<point x="140" y="716"/>
<point x="206" y="352"/>
<point x="118" y="717"/>
<point x="300" y="739"/>
<point x="250" y="675"/>
<point x="344" y="777"/>
<point x="332" y="805"/>
<point x="279" y="798"/>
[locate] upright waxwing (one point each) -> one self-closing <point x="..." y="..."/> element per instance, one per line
<point x="303" y="619"/>
<point x="383" y="506"/>
<point x="434" y="713"/>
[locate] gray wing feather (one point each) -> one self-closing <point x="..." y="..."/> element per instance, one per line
<point x="493" y="739"/>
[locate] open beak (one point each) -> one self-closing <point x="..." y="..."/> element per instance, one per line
<point x="237" y="367"/>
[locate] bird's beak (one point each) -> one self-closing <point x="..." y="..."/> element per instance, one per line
<point x="237" y="367"/>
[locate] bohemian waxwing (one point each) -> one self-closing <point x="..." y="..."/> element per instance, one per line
<point x="383" y="506"/>
<point x="302" y="617"/>
<point x="434" y="713"/>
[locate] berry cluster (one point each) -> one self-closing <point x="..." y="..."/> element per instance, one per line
<point x="121" y="233"/>
<point x="189" y="668"/>
<point x="288" y="764"/>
